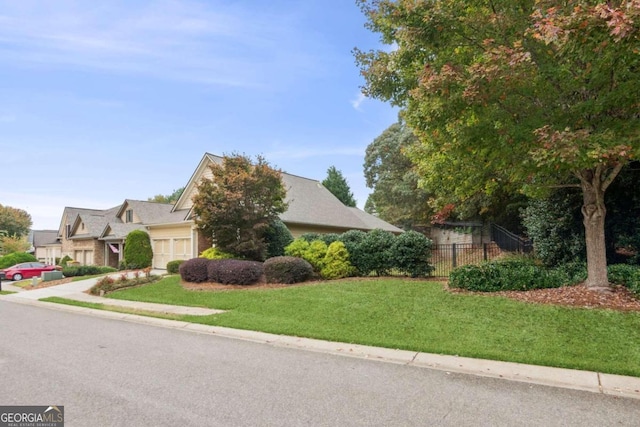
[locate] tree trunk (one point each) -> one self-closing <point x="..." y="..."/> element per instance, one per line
<point x="593" y="212"/>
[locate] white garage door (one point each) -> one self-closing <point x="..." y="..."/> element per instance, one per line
<point x="161" y="253"/>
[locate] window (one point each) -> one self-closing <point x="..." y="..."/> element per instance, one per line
<point x="129" y="215"/>
<point x="68" y="231"/>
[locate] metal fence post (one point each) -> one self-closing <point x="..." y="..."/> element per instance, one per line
<point x="453" y="256"/>
<point x="484" y="251"/>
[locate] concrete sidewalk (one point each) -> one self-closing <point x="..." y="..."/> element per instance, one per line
<point x="616" y="385"/>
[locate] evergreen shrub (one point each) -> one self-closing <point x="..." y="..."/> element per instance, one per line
<point x="137" y="250"/>
<point x="173" y="267"/>
<point x="234" y="271"/>
<point x="194" y="270"/>
<point x="277" y="237"/>
<point x="215" y="253"/>
<point x="336" y="263"/>
<point x="16" y="258"/>
<point x="410" y="252"/>
<point x="287" y="269"/>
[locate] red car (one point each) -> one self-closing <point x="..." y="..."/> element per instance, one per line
<point x="26" y="270"/>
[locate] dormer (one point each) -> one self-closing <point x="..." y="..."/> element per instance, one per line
<point x="127" y="215"/>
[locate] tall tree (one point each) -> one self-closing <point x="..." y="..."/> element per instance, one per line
<point x="525" y="94"/>
<point x="238" y="204"/>
<point x="168" y="198"/>
<point x="14" y="222"/>
<point x="396" y="196"/>
<point x="337" y="184"/>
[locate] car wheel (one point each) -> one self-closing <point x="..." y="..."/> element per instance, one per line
<point x="17" y="277"/>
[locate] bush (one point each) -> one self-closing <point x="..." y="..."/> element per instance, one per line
<point x="375" y="253"/>
<point x="509" y="274"/>
<point x="86" y="270"/>
<point x="173" y="267"/>
<point x="65" y="259"/>
<point x="626" y="275"/>
<point x="313" y="252"/>
<point x="310" y="237"/>
<point x="277" y="237"/>
<point x="410" y="252"/>
<point x="352" y="240"/>
<point x="16" y="258"/>
<point x="137" y="250"/>
<point x="215" y="253"/>
<point x="287" y="269"/>
<point x="329" y="238"/>
<point x="194" y="270"/>
<point x="234" y="271"/>
<point x="109" y="284"/>
<point x="336" y="263"/>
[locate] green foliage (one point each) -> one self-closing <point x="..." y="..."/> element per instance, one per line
<point x="287" y="269"/>
<point x="14" y="222"/>
<point x="329" y="238"/>
<point x="338" y="186"/>
<point x="310" y="237"/>
<point x="238" y="204"/>
<point x="315" y="254"/>
<point x="336" y="263"/>
<point x="554" y="226"/>
<point x="215" y="253"/>
<point x="277" y="237"/>
<point x="352" y="240"/>
<point x="234" y="271"/>
<point x="297" y="248"/>
<point x="396" y="197"/>
<point x="86" y="270"/>
<point x="65" y="259"/>
<point x="513" y="274"/>
<point x="410" y="253"/>
<point x="173" y="267"/>
<point x="375" y="253"/>
<point x="626" y="275"/>
<point x="11" y="244"/>
<point x="169" y="198"/>
<point x="137" y="250"/>
<point x="16" y="258"/>
<point x="194" y="270"/>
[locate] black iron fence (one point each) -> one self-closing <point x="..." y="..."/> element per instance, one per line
<point x="447" y="257"/>
<point x="509" y="242"/>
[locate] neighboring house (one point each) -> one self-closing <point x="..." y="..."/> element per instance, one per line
<point x="97" y="236"/>
<point x="46" y="246"/>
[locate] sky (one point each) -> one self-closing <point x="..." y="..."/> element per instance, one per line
<point x="102" y="101"/>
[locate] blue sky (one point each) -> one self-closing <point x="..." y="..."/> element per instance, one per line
<point x="101" y="101"/>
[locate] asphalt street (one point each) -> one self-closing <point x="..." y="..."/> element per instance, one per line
<point x="114" y="373"/>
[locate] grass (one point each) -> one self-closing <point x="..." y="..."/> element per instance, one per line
<point x="421" y="316"/>
<point x="6" y="292"/>
<point x="99" y="306"/>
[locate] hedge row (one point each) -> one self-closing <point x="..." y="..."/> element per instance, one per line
<point x="14" y="258"/>
<point x="86" y="270"/>
<point x="515" y="274"/>
<point x="226" y="271"/>
<point x="356" y="253"/>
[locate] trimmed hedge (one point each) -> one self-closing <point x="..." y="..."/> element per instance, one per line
<point x="287" y="269"/>
<point x="234" y="271"/>
<point x="14" y="258"/>
<point x="512" y="274"/>
<point x="194" y="270"/>
<point x="86" y="270"/>
<point x="410" y="253"/>
<point x="137" y="250"/>
<point x="173" y="267"/>
<point x="336" y="263"/>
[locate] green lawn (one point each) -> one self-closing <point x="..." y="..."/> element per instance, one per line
<point x="421" y="316"/>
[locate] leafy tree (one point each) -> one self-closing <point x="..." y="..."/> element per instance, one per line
<point x="10" y="244"/>
<point x="14" y="222"/>
<point x="169" y="198"/>
<point x="396" y="196"/>
<point x="337" y="184"/>
<point x="137" y="250"/>
<point x="514" y="95"/>
<point x="237" y="205"/>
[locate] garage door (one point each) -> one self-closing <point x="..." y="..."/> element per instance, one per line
<point x="161" y="253"/>
<point x="181" y="249"/>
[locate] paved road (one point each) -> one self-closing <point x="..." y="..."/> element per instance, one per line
<point x="113" y="373"/>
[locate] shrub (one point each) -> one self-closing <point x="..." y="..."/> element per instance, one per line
<point x="173" y="267"/>
<point x="626" y="275"/>
<point x="287" y="269"/>
<point x="194" y="270"/>
<point x="137" y="250"/>
<point x="65" y="259"/>
<point x="86" y="270"/>
<point x="215" y="253"/>
<point x="410" y="252"/>
<point x="109" y="284"/>
<point x="234" y="271"/>
<point x="277" y="237"/>
<point x="16" y="258"/>
<point x="509" y="274"/>
<point x="352" y="240"/>
<point x="336" y="263"/>
<point x="375" y="253"/>
<point x="329" y="238"/>
<point x="310" y="237"/>
<point x="297" y="248"/>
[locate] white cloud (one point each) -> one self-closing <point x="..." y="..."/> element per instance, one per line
<point x="357" y="102"/>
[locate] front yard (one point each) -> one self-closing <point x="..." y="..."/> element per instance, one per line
<point x="421" y="316"/>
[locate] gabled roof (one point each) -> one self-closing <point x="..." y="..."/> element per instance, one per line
<point x="310" y="203"/>
<point x="44" y="237"/>
<point x="119" y="230"/>
<point x="151" y="212"/>
<point x="72" y="214"/>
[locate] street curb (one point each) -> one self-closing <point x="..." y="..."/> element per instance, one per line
<point x="608" y="384"/>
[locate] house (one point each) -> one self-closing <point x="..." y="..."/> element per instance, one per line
<point x="97" y="236"/>
<point x="45" y="245"/>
